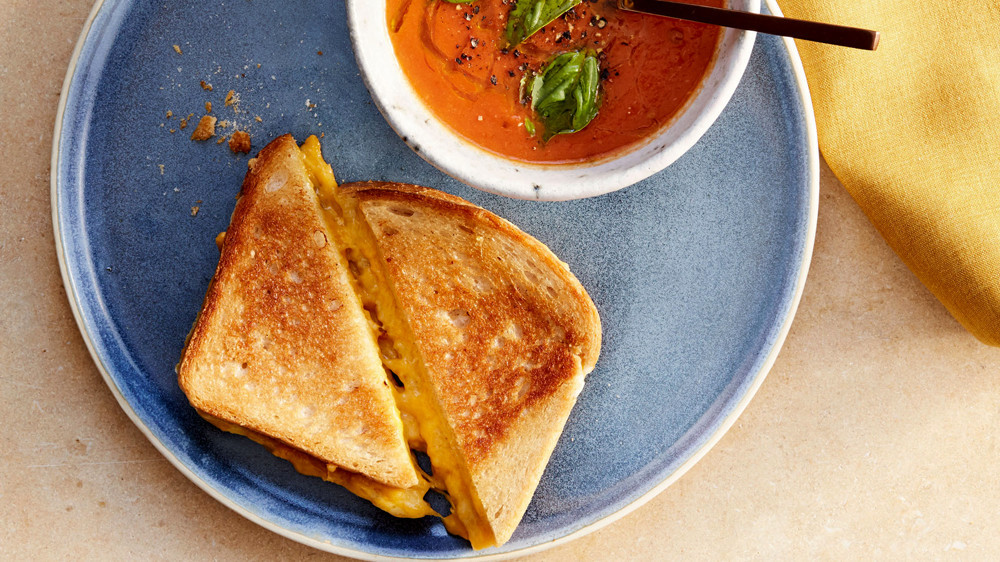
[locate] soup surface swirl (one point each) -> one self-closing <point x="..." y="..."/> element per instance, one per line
<point x="457" y="58"/>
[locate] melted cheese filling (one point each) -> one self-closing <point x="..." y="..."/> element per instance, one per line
<point x="424" y="423"/>
<point x="401" y="502"/>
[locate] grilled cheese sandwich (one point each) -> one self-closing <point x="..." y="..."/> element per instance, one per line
<point x="372" y="228"/>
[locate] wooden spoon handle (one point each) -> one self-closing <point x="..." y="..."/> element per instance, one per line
<point x="853" y="37"/>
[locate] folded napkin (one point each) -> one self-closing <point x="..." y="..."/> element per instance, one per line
<point x="912" y="130"/>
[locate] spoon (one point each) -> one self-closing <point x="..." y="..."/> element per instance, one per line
<point x="843" y="36"/>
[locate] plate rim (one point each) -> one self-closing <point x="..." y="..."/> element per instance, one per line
<point x="813" y="158"/>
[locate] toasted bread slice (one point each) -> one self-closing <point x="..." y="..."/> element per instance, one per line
<point x="502" y="335"/>
<point x="282" y="350"/>
<point x="322" y="291"/>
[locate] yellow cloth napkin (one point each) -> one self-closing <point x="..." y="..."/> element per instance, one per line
<point x="912" y="130"/>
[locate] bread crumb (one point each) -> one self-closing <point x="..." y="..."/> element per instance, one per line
<point x="190" y="115"/>
<point x="194" y="211"/>
<point x="258" y="65"/>
<point x="161" y="168"/>
<point x="169" y="114"/>
<point x="208" y="107"/>
<point x="240" y="142"/>
<point x="178" y="49"/>
<point x="173" y="130"/>
<point x="221" y="140"/>
<point x="320" y="53"/>
<point x="230" y="98"/>
<point x="184" y="123"/>
<point x="258" y="119"/>
<point x="205" y="129"/>
<point x="223" y="123"/>
<point x="206" y="86"/>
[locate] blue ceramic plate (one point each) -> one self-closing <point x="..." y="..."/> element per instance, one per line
<point x="696" y="271"/>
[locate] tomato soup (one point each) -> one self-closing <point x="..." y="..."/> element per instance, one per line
<point x="457" y="58"/>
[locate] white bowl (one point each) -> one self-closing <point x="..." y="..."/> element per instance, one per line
<point x="457" y="157"/>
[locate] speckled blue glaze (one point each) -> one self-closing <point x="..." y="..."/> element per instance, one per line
<point x="694" y="271"/>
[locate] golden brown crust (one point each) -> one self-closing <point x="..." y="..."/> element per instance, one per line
<point x="506" y="332"/>
<point x="589" y="323"/>
<point x="281" y="345"/>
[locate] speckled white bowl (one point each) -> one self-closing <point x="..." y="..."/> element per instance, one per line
<point x="459" y="158"/>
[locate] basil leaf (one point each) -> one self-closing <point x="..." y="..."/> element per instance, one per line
<point x="528" y="16"/>
<point x="565" y="94"/>
<point x="585" y="94"/>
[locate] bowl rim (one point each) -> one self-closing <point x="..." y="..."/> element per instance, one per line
<point x="440" y="146"/>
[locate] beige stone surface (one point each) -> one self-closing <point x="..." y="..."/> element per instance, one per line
<point x="873" y="436"/>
